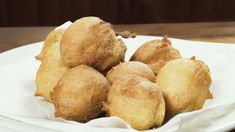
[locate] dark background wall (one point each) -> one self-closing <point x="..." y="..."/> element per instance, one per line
<point x="55" y="12"/>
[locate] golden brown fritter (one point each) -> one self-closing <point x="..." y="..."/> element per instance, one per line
<point x="52" y="67"/>
<point x="156" y="53"/>
<point x="51" y="47"/>
<point x="185" y="84"/>
<point x="130" y="68"/>
<point x="137" y="101"/>
<point x="93" y="42"/>
<point x="48" y="74"/>
<point x="79" y="94"/>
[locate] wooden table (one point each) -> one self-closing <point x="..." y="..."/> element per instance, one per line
<point x="213" y="32"/>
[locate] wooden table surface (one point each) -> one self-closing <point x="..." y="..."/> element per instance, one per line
<point x="212" y="32"/>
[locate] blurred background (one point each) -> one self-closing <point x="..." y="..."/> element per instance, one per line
<point x="56" y="12"/>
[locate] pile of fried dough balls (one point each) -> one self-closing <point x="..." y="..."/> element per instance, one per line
<point x="84" y="75"/>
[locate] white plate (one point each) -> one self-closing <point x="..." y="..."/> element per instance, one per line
<point x="21" y="111"/>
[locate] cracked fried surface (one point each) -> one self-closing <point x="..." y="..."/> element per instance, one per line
<point x="185" y="84"/>
<point x="130" y="68"/>
<point x="79" y="94"/>
<point x="137" y="101"/>
<point x="52" y="67"/>
<point x="93" y="42"/>
<point x="156" y="53"/>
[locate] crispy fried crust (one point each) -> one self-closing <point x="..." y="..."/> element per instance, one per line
<point x="156" y="53"/>
<point x="48" y="74"/>
<point x="51" y="47"/>
<point x="91" y="41"/>
<point x="52" y="67"/>
<point x="137" y="101"/>
<point x="79" y="94"/>
<point x="185" y="84"/>
<point x="133" y="68"/>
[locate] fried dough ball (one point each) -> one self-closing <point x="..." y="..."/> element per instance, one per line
<point x="156" y="53"/>
<point x="51" y="47"/>
<point x="52" y="67"/>
<point x="185" y="84"/>
<point x="48" y="74"/>
<point x="93" y="42"/>
<point x="131" y="67"/>
<point x="137" y="101"/>
<point x="79" y="94"/>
